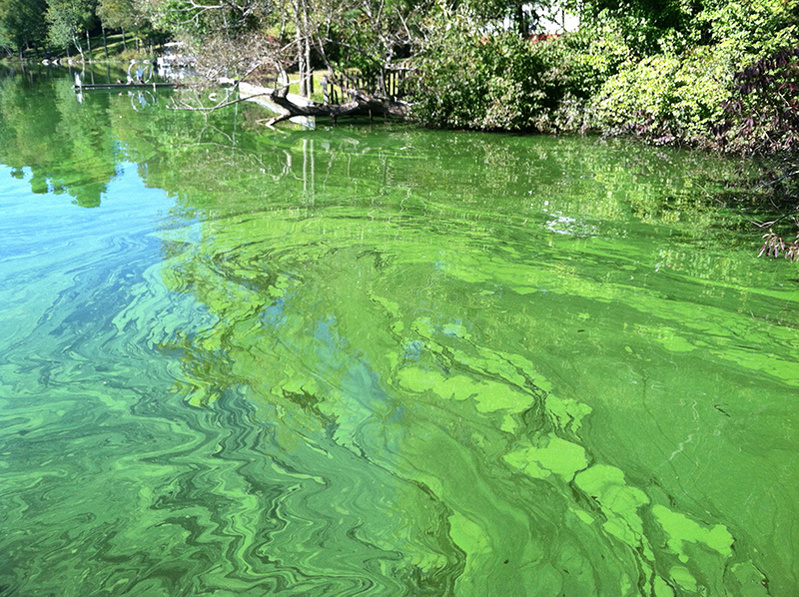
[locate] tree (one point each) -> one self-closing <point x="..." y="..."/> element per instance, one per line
<point x="22" y="23"/>
<point x="68" y="20"/>
<point x="520" y="16"/>
<point x="750" y="29"/>
<point x="117" y="14"/>
<point x="648" y="26"/>
<point x="305" y="30"/>
<point x="372" y="35"/>
<point x="472" y="73"/>
<point x="198" y="21"/>
<point x="368" y="35"/>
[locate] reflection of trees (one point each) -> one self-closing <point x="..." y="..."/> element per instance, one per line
<point x="68" y="146"/>
<point x="491" y="179"/>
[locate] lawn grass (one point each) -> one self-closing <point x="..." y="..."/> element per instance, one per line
<point x="116" y="50"/>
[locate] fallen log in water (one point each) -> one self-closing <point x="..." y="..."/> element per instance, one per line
<point x="289" y="106"/>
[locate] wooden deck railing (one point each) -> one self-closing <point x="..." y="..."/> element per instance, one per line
<point x="390" y="84"/>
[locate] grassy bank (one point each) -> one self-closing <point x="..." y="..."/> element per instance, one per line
<point x="117" y="48"/>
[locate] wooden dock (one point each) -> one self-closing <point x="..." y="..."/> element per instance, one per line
<point x="122" y="86"/>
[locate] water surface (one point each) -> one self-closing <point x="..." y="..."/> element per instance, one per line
<point x="371" y="360"/>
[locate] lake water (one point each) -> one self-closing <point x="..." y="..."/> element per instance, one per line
<point x="378" y="361"/>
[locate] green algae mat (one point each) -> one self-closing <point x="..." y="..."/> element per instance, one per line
<point x="377" y="361"/>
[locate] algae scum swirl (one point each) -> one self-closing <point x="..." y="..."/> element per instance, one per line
<point x="380" y="361"/>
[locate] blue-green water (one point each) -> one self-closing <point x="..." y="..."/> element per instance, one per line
<point x="372" y="360"/>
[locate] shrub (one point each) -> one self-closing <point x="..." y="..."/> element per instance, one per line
<point x="467" y="78"/>
<point x="667" y="99"/>
<point x="762" y="113"/>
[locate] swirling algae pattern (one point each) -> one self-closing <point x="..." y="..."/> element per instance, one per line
<point x="457" y="385"/>
<point x="206" y="394"/>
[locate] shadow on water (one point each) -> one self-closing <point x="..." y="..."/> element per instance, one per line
<point x="381" y="361"/>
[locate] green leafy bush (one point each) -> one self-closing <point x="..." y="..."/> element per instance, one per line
<point x="667" y="99"/>
<point x="468" y="78"/>
<point x="576" y="66"/>
<point x="750" y="29"/>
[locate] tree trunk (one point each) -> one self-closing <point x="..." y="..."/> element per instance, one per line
<point x="307" y="50"/>
<point x="521" y="20"/>
<point x="303" y="40"/>
<point x="78" y="47"/>
<point x="360" y="104"/>
<point x="89" y="44"/>
<point x="308" y="68"/>
<point x="301" y="59"/>
<point x="124" y="41"/>
<point x="105" y="44"/>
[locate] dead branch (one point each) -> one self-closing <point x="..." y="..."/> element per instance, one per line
<point x="360" y="104"/>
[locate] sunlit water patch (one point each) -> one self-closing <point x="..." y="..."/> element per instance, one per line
<point x="378" y="361"/>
